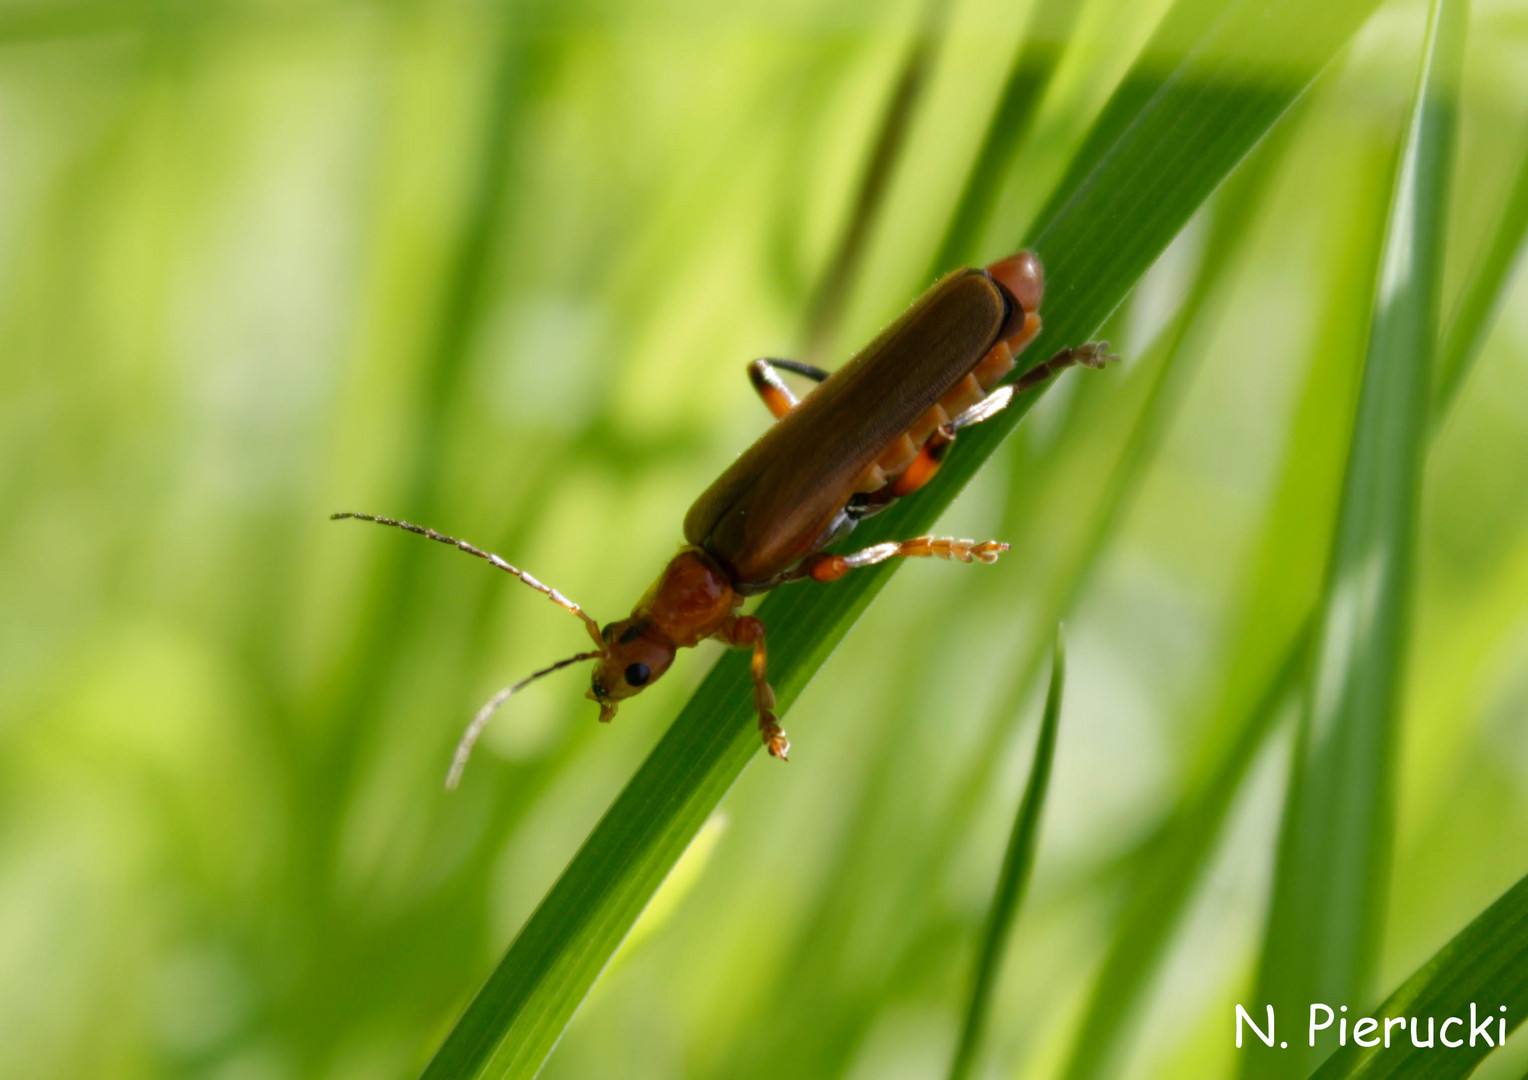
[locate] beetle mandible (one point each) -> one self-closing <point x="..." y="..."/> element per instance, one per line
<point x="869" y="433"/>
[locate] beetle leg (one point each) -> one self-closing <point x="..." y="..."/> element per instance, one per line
<point x="923" y="467"/>
<point x="1095" y="354"/>
<point x="777" y="396"/>
<point x="828" y="567"/>
<point x="742" y="632"/>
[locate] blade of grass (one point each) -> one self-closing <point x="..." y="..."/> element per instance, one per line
<point x="817" y="972"/>
<point x="1480" y="299"/>
<point x="1050" y="27"/>
<point x="1097" y="240"/>
<point x="1173" y="370"/>
<point x="1169" y="367"/>
<point x="1331" y="874"/>
<point x="1484" y="966"/>
<point x="827" y="306"/>
<point x="1018" y="861"/>
<point x="1169" y="370"/>
<point x="1172" y="859"/>
<point x="1279" y="588"/>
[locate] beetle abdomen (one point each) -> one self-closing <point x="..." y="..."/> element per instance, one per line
<point x="772" y="505"/>
<point x="970" y="390"/>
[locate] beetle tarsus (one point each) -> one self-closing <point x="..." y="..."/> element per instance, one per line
<point x="1095" y="354"/>
<point x="827" y="567"/>
<point x="774" y="737"/>
<point x="742" y="632"/>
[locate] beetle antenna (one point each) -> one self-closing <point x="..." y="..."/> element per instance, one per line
<point x="488" y="557"/>
<point x="480" y="721"/>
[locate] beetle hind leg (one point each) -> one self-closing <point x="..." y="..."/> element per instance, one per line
<point x="778" y="397"/>
<point x="1095" y="354"/>
<point x="742" y="632"/>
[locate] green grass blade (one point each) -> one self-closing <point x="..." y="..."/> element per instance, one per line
<point x="1014" y="877"/>
<point x="827" y="305"/>
<point x="1486" y="964"/>
<point x="814" y="958"/>
<point x="1475" y="311"/>
<point x="1097" y="240"/>
<point x="1173" y="363"/>
<point x="1331" y="876"/>
<point x="1172" y="860"/>
<point x="1050" y="27"/>
<point x="1270" y="642"/>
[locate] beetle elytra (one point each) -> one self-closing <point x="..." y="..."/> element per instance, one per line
<point x="868" y="434"/>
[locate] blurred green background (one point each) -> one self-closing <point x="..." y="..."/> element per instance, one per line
<point x="498" y="269"/>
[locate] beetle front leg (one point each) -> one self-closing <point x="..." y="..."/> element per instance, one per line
<point x="827" y="567"/>
<point x="767" y="382"/>
<point x="742" y="632"/>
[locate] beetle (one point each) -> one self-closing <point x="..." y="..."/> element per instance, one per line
<point x="868" y="434"/>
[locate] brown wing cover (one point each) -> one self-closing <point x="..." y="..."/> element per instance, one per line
<point x="767" y="510"/>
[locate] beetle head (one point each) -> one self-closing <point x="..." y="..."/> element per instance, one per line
<point x="635" y="657"/>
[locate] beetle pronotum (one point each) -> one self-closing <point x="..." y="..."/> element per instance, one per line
<point x="871" y="432"/>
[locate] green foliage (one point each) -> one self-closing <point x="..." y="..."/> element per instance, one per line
<point x="1485" y="963"/>
<point x="1158" y="160"/>
<point x="1334" y="852"/>
<point x="498" y="267"/>
<point x="1013" y="878"/>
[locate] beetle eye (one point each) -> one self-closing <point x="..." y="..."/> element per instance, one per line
<point x="638" y="674"/>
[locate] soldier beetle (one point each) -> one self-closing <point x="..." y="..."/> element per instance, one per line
<point x="868" y="434"/>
